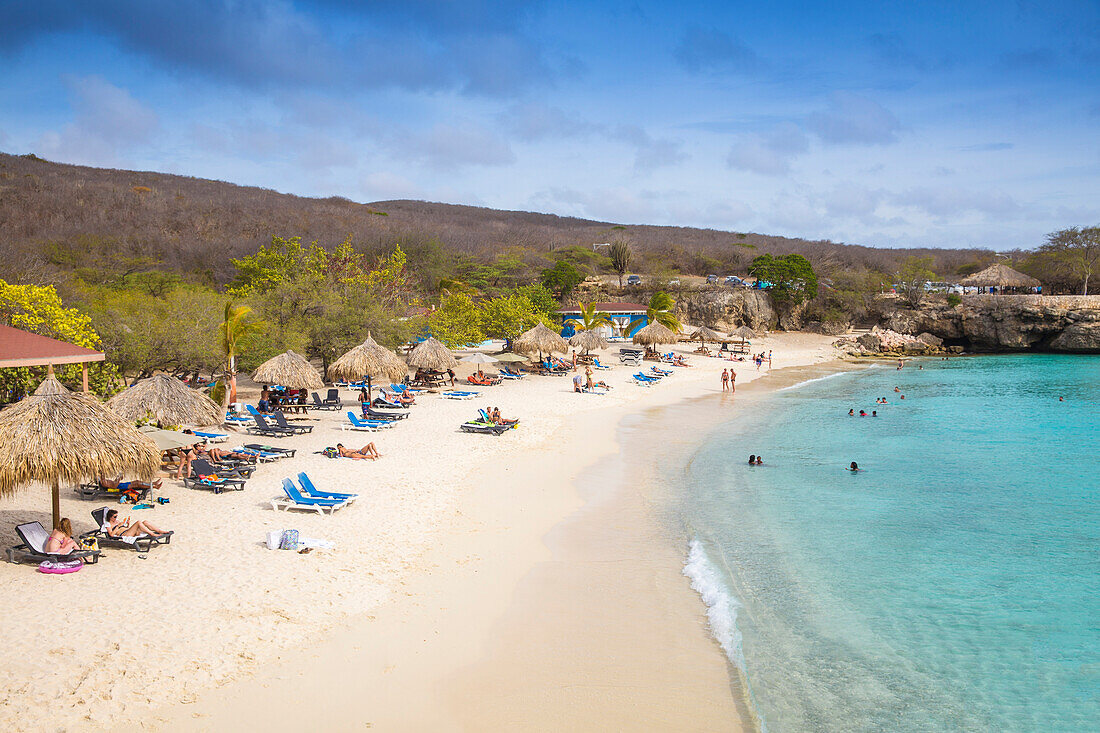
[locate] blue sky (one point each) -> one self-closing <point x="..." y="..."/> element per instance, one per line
<point x="881" y="123"/>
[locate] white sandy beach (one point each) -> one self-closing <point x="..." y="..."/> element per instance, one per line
<point x="409" y="623"/>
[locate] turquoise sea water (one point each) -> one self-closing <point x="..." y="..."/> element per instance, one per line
<point x="953" y="585"/>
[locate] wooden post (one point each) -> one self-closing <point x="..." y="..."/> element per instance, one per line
<point x="84" y="375"/>
<point x="56" y="504"/>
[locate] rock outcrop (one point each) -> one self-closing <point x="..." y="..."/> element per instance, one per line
<point x="1066" y="323"/>
<point x="723" y="308"/>
<point x="884" y="342"/>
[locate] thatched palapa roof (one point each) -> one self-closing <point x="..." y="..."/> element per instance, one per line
<point x="168" y="400"/>
<point x="368" y="359"/>
<point x="289" y="370"/>
<point x="58" y="437"/>
<point x="588" y="340"/>
<point x="704" y="334"/>
<point x="655" y="333"/>
<point x="1000" y="276"/>
<point x="743" y="332"/>
<point x="432" y="354"/>
<point x="540" y="339"/>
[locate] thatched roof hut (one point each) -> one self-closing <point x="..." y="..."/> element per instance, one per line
<point x="540" y="339"/>
<point x="368" y="359"/>
<point x="55" y="436"/>
<point x="168" y="400"/>
<point x="588" y="340"/>
<point x="743" y="332"/>
<point x="655" y="333"/>
<point x="705" y="334"/>
<point x="289" y="370"/>
<point x="1000" y="276"/>
<point x="431" y="354"/>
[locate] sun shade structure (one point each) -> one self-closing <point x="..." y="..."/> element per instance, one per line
<point x="653" y="334"/>
<point x="1000" y="276"/>
<point x="432" y="354"/>
<point x="743" y="332"/>
<point x="289" y="370"/>
<point x="508" y="356"/>
<point x="168" y="400"/>
<point x="540" y="339"/>
<point x="20" y="348"/>
<point x="588" y="340"/>
<point x="169" y="439"/>
<point x="705" y="334"/>
<point x="479" y="358"/>
<point x="368" y="359"/>
<point x="56" y="437"/>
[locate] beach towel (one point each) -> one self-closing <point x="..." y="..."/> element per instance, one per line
<point x="289" y="540"/>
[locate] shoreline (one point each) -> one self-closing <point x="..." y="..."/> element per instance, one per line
<point x="463" y="646"/>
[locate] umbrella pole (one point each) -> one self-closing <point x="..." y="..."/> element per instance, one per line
<point x="56" y="505"/>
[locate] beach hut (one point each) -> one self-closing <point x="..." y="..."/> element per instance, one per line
<point x="705" y="334"/>
<point x="654" y="334"/>
<point x="56" y="437"/>
<point x="368" y="359"/>
<point x="289" y="370"/>
<point x="588" y="340"/>
<point x="433" y="355"/>
<point x="168" y="401"/>
<point x="1000" y="277"/>
<point x="540" y="339"/>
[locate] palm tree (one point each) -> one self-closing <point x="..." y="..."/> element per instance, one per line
<point x="590" y="318"/>
<point x="235" y="330"/>
<point x="660" y="311"/>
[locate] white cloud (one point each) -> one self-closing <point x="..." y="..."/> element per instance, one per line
<point x="107" y="122"/>
<point x="851" y="118"/>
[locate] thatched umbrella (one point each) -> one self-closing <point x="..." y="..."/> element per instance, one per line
<point x="540" y="339"/>
<point x="368" y="359"/>
<point x="588" y="340"/>
<point x="55" y="436"/>
<point x="431" y="354"/>
<point x="168" y="400"/>
<point x="744" y="333"/>
<point x="290" y="370"/>
<point x="655" y="333"/>
<point x="705" y="334"/>
<point x="1000" y="276"/>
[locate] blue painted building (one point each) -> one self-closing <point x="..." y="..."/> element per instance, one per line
<point x="622" y="314"/>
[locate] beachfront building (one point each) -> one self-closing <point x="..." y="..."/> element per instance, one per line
<point x="20" y="348"/>
<point x="621" y="316"/>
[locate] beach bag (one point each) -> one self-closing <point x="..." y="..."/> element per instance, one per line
<point x="89" y="543"/>
<point x="330" y="453"/>
<point x="289" y="540"/>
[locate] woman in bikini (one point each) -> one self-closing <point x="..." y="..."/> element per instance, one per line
<point x="60" y="541"/>
<point x="367" y="451"/>
<point x="118" y="528"/>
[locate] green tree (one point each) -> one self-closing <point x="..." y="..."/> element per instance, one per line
<point x="590" y="318"/>
<point x="39" y="309"/>
<point x="660" y="311"/>
<point x="507" y="316"/>
<point x="791" y="277"/>
<point x="456" y="322"/>
<point x="562" y="278"/>
<point x="620" y="255"/>
<point x="541" y="297"/>
<point x="914" y="273"/>
<point x="235" y="331"/>
<point x="1078" y="248"/>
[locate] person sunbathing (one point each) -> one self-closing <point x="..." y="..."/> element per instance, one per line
<point x="367" y="451"/>
<point x="400" y="398"/>
<point x="60" y="541"/>
<point x="496" y="417"/>
<point x="124" y="486"/>
<point x="217" y="455"/>
<point x="591" y="383"/>
<point x="118" y="528"/>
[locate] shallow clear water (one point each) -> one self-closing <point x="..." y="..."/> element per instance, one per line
<point x="953" y="585"/>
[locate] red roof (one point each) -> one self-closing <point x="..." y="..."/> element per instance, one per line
<point x="610" y="308"/>
<point x="23" y="348"/>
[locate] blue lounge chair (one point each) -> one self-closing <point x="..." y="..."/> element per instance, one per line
<point x="357" y="424"/>
<point x="456" y="394"/>
<point x="295" y="499"/>
<point x="509" y="374"/>
<point x="212" y="437"/>
<point x="485" y="418"/>
<point x="596" y="363"/>
<point x="309" y="489"/>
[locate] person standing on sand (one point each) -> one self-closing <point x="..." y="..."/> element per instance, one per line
<point x="733" y="381"/>
<point x="769" y="358"/>
<point x="725" y="381"/>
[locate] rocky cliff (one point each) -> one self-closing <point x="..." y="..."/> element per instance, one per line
<point x="720" y="307"/>
<point x="1066" y="323"/>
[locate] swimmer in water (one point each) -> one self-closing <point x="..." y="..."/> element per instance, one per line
<point x="852" y="412"/>
<point x="760" y="460"/>
<point x="897" y="389"/>
<point x="874" y="413"/>
<point x="863" y="413"/>
<point x="1061" y="399"/>
<point x="903" y="397"/>
<point x="854" y="467"/>
<point x="752" y="460"/>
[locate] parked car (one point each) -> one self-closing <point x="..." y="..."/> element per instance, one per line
<point x="634" y="280"/>
<point x="711" y="279"/>
<point x="674" y="281"/>
<point x="733" y="281"/>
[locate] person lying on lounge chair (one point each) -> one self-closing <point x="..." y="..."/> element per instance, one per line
<point x="403" y="399"/>
<point x="60" y="541"/>
<point x="216" y="455"/>
<point x="118" y="528"/>
<point x="496" y="417"/>
<point x="118" y="484"/>
<point x="367" y="451"/>
<point x="591" y="383"/>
